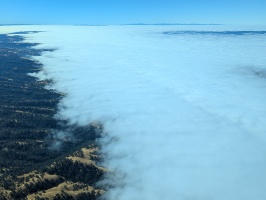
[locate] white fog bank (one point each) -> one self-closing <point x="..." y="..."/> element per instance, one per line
<point x="184" y="112"/>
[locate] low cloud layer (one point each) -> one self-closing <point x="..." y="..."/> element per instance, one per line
<point x="184" y="115"/>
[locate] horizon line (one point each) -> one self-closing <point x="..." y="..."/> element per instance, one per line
<point x="133" y="24"/>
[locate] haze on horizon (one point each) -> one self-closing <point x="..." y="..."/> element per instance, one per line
<point x="107" y="12"/>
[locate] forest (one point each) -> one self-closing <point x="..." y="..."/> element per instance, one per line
<point x="30" y="150"/>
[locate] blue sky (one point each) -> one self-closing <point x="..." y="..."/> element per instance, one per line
<point x="132" y="11"/>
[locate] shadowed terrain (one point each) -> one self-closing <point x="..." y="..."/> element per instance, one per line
<point x="35" y="162"/>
